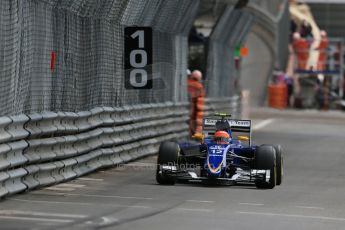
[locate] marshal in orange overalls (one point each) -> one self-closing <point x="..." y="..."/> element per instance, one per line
<point x="197" y="93"/>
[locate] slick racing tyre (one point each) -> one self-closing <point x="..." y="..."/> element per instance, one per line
<point x="168" y="155"/>
<point x="265" y="159"/>
<point x="280" y="165"/>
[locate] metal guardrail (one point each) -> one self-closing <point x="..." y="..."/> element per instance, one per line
<point x="43" y="149"/>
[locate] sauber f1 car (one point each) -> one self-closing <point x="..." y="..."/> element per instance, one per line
<point x="223" y="155"/>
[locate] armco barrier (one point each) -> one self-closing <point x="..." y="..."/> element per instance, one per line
<point x="14" y="183"/>
<point x="43" y="149"/>
<point x="3" y="177"/>
<point x="16" y="129"/>
<point x="4" y="135"/>
<point x="15" y="155"/>
<point x="4" y="163"/>
<point x="30" y="179"/>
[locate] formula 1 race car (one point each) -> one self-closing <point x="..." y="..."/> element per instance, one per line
<point x="224" y="155"/>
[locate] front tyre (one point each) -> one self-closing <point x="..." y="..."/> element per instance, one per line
<point x="168" y="155"/>
<point x="279" y="159"/>
<point x="265" y="159"/>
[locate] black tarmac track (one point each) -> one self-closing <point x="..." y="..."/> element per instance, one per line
<point x="312" y="195"/>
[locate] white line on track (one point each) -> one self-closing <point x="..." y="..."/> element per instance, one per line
<point x="44" y="192"/>
<point x="32" y="213"/>
<point x="92" y="195"/>
<point x="66" y="187"/>
<point x="108" y="220"/>
<point x="195" y="210"/>
<point x="70" y="185"/>
<point x="60" y="189"/>
<point x="200" y="201"/>
<point x="262" y="124"/>
<point x="51" y="202"/>
<point x="108" y="196"/>
<point x="252" y="204"/>
<point x="35" y="219"/>
<point x="79" y="203"/>
<point x="140" y="206"/>
<point x="310" y="207"/>
<point x="89" y="179"/>
<point x="293" y="216"/>
<point x="139" y="164"/>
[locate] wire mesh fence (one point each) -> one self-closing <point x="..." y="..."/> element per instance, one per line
<point x="68" y="55"/>
<point x="229" y="33"/>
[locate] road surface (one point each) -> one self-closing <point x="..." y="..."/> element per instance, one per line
<point x="128" y="197"/>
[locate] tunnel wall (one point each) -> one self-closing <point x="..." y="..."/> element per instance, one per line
<point x="229" y="32"/>
<point x="268" y="45"/>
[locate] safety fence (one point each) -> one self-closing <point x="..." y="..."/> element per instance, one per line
<point x="68" y="55"/>
<point x="43" y="149"/>
<point x="329" y="52"/>
<point x="230" y="105"/>
<point x="229" y="33"/>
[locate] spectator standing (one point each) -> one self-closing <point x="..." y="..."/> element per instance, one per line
<point x="289" y="81"/>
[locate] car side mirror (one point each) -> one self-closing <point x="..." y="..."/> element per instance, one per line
<point x="243" y="138"/>
<point x="198" y="137"/>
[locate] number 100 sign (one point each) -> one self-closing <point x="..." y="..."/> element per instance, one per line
<point x="138" y="58"/>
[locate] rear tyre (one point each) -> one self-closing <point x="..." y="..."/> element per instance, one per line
<point x="279" y="159"/>
<point x="168" y="155"/>
<point x="265" y="159"/>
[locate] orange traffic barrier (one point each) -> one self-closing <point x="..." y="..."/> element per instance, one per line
<point x="278" y="96"/>
<point x="301" y="47"/>
<point x="321" y="65"/>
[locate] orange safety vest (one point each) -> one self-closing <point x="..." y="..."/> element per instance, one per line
<point x="197" y="93"/>
<point x="195" y="88"/>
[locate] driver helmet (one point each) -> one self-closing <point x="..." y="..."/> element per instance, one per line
<point x="221" y="137"/>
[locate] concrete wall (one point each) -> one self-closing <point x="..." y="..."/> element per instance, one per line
<point x="256" y="68"/>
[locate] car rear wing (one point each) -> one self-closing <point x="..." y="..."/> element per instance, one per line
<point x="236" y="126"/>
